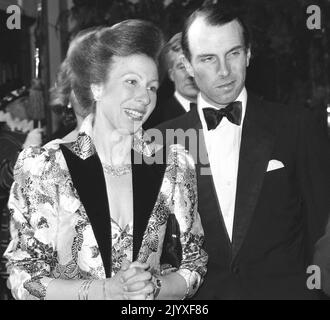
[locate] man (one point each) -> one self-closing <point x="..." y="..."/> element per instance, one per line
<point x="267" y="199"/>
<point x="184" y="85"/>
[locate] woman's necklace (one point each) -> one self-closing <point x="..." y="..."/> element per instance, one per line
<point x="118" y="170"/>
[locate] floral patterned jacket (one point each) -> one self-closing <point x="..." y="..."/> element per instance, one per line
<point x="56" y="234"/>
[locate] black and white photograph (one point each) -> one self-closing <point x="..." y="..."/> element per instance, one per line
<point x="172" y="150"/>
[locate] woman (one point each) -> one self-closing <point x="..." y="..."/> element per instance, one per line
<point x="83" y="211"/>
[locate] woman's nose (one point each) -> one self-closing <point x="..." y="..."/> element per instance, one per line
<point x="143" y="96"/>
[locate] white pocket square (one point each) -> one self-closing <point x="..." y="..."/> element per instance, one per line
<point x="274" y="165"/>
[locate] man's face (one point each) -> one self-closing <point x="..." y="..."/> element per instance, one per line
<point x="219" y="60"/>
<point x="183" y="82"/>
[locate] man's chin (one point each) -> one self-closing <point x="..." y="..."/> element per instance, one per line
<point x="224" y="99"/>
<point x="191" y="89"/>
<point x="190" y="95"/>
<point x="221" y="103"/>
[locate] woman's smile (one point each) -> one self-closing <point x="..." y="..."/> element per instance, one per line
<point x="134" y="115"/>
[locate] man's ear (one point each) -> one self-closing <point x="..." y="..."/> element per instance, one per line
<point x="187" y="65"/>
<point x="248" y="56"/>
<point x="97" y="91"/>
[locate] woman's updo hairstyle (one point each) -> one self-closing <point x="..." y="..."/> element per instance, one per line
<point x="91" y="57"/>
<point x="62" y="97"/>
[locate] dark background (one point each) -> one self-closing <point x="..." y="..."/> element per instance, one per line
<point x="290" y="64"/>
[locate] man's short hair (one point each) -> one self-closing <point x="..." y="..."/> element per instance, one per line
<point x="215" y="15"/>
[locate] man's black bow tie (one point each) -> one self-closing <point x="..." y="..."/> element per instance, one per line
<point x="193" y="106"/>
<point x="233" y="112"/>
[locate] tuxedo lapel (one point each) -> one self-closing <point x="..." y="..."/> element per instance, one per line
<point x="88" y="179"/>
<point x="147" y="180"/>
<point x="177" y="108"/>
<point x="208" y="205"/>
<point x="256" y="146"/>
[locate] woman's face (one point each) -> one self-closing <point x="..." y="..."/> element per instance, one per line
<point x="129" y="95"/>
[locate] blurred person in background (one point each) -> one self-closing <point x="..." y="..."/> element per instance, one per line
<point x="64" y="101"/>
<point x="185" y="89"/>
<point x="16" y="133"/>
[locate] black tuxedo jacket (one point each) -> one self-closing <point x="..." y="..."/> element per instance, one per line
<point x="279" y="214"/>
<point x="164" y="111"/>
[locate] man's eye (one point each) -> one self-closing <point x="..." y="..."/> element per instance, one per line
<point x="132" y="82"/>
<point x="207" y="59"/>
<point x="236" y="53"/>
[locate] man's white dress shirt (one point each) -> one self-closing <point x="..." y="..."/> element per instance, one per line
<point x="223" y="147"/>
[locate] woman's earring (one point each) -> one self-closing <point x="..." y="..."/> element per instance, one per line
<point x="96" y="90"/>
<point x="97" y="96"/>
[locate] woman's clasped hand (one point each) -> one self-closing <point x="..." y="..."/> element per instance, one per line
<point x="132" y="282"/>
